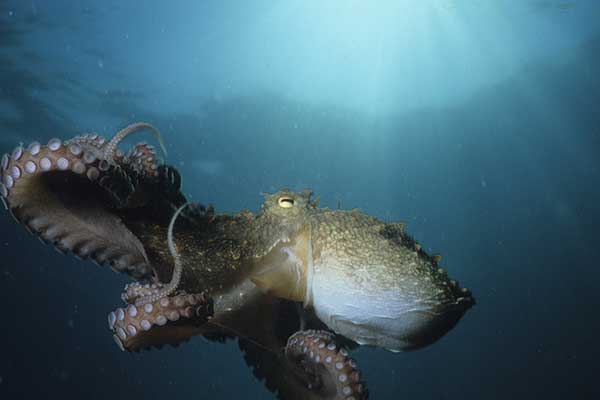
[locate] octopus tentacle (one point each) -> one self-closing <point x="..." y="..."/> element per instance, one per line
<point x="58" y="191"/>
<point x="91" y="142"/>
<point x="142" y="160"/>
<point x="93" y="148"/>
<point x="169" y="320"/>
<point x="326" y="367"/>
<point x="110" y="148"/>
<point x="159" y="291"/>
<point x="136" y="290"/>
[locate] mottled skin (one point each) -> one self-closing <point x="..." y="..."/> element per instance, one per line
<point x="337" y="278"/>
<point x="369" y="281"/>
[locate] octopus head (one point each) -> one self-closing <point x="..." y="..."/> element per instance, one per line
<point x="288" y="205"/>
<point x="281" y="237"/>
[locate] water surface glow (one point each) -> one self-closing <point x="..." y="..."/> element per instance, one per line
<point x="476" y="122"/>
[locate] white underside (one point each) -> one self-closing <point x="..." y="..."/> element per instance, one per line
<point x="359" y="310"/>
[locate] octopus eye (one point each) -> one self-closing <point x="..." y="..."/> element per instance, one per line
<point x="285" y="202"/>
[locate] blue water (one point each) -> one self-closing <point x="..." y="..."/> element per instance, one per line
<point x="476" y="122"/>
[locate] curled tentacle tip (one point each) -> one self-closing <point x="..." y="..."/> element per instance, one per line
<point x="111" y="146"/>
<point x="161" y="143"/>
<point x="165" y="290"/>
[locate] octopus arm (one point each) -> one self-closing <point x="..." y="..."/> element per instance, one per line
<point x="312" y="366"/>
<point x="296" y="365"/>
<point x="80" y="199"/>
<point x="168" y="320"/>
<point x="272" y="370"/>
<point x="160" y="313"/>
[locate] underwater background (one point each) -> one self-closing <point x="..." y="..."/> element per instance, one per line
<point x="475" y="122"/>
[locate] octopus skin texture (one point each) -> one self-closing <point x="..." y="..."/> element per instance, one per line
<point x="297" y="285"/>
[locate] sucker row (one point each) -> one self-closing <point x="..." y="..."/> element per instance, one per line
<point x="132" y="325"/>
<point x="318" y="348"/>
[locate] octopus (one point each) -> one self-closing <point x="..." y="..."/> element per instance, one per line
<point x="298" y="286"/>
